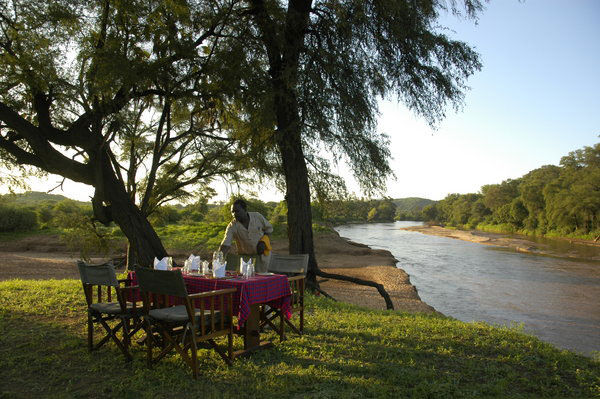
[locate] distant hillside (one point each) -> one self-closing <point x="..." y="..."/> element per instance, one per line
<point x="31" y="198"/>
<point x="412" y="204"/>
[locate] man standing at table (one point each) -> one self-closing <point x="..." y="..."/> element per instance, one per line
<point x="250" y="230"/>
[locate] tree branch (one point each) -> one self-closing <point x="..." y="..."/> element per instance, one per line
<point x="388" y="301"/>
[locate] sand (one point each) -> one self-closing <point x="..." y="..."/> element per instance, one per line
<point x="505" y="241"/>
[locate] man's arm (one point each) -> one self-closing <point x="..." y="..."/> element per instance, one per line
<point x="227" y="239"/>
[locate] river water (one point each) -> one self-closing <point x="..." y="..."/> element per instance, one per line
<point x="556" y="299"/>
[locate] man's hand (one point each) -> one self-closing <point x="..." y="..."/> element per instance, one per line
<point x="260" y="248"/>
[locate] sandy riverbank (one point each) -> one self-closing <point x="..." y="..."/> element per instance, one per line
<point x="44" y="257"/>
<point x="505" y="241"/>
<point x="337" y="255"/>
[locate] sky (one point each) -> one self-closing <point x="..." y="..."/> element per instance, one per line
<point x="536" y="99"/>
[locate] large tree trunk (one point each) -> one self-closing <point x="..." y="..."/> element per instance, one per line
<point x="297" y="196"/>
<point x="112" y="202"/>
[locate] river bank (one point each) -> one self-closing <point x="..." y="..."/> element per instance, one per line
<point x="518" y="244"/>
<point x="340" y="256"/>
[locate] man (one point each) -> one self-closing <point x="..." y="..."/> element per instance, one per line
<point x="251" y="233"/>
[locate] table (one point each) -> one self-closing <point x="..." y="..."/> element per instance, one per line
<point x="273" y="290"/>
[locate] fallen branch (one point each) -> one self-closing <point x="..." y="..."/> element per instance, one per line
<point x="382" y="291"/>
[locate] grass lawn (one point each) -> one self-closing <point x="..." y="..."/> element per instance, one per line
<point x="347" y="352"/>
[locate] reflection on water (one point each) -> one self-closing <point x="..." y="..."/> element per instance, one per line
<point x="556" y="299"/>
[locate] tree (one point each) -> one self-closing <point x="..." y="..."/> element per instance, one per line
<point x="531" y="194"/>
<point x="573" y="199"/>
<point x="326" y="64"/>
<point x="498" y="195"/>
<point x="128" y="97"/>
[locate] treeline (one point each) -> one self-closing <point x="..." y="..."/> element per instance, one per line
<point x="552" y="200"/>
<point x="41" y="211"/>
<point x="354" y="210"/>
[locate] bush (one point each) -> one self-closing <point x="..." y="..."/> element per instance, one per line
<point x="17" y="219"/>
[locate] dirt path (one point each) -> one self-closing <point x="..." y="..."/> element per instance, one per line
<point x="44" y="257"/>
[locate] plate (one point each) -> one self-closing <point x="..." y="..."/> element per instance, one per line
<point x="265" y="274"/>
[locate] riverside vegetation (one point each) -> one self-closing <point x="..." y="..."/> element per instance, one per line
<point x="551" y="201"/>
<point x="347" y="351"/>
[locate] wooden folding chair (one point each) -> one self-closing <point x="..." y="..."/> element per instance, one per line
<point x="101" y="286"/>
<point x="200" y="318"/>
<point x="295" y="267"/>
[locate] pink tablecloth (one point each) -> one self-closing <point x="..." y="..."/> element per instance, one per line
<point x="273" y="290"/>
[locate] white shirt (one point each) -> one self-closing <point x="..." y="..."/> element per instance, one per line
<point x="246" y="239"/>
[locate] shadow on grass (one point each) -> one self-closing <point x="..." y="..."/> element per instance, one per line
<point x="382" y="355"/>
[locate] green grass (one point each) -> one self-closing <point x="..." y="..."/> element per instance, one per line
<point x="346" y="352"/>
<point x="16" y="235"/>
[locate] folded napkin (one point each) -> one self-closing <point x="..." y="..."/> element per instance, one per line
<point x="193" y="262"/>
<point x="246" y="268"/>
<point x="162" y="264"/>
<point x="219" y="269"/>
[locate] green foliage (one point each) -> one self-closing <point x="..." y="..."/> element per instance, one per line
<point x="279" y="214"/>
<point x="31" y="198"/>
<point x="347" y="352"/>
<point x="192" y="237"/>
<point x="164" y="215"/>
<point x="16" y="219"/>
<point x="551" y="200"/>
<point x="412" y="204"/>
<point x="355" y="210"/>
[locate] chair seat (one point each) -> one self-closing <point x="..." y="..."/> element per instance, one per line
<point x="178" y="315"/>
<point x="113" y="308"/>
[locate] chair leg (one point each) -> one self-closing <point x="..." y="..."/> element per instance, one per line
<point x="301" y="321"/>
<point x="90" y="325"/>
<point x="230" y="346"/>
<point x="281" y="327"/>
<point x="194" y="349"/>
<point x="149" y="343"/>
<point x="126" y="341"/>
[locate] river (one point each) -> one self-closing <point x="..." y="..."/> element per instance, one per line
<point x="556" y="299"/>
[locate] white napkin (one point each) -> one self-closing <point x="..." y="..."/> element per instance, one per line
<point x="193" y="262"/>
<point x="243" y="267"/>
<point x="161" y="264"/>
<point x="219" y="269"/>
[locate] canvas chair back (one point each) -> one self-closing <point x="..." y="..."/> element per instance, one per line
<point x="289" y="264"/>
<point x="97" y="274"/>
<point x="162" y="282"/>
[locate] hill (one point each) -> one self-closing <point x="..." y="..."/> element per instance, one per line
<point x="412" y="203"/>
<point x="32" y="198"/>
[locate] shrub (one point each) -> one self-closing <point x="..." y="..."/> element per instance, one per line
<point x="17" y="219"/>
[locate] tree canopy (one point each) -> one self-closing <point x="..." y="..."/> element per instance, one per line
<point x="127" y="97"/>
<point x="140" y="99"/>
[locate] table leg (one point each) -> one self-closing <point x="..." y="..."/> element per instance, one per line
<point x="252" y="333"/>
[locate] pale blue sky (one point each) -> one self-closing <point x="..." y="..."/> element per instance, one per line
<point x="536" y="99"/>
